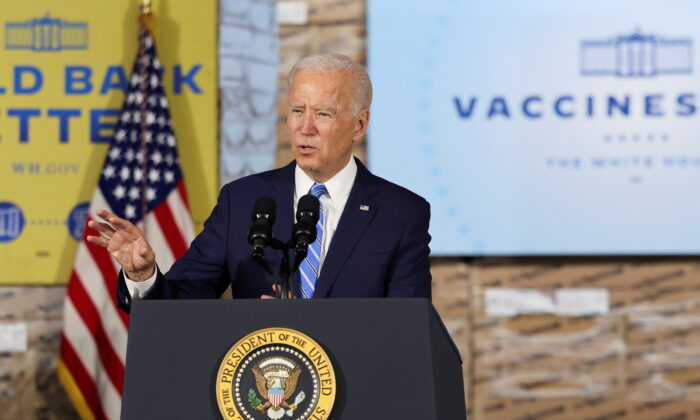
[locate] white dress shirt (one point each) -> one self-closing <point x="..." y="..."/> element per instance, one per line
<point x="333" y="203"/>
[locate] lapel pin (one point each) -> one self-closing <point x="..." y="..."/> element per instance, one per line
<point x="364" y="207"/>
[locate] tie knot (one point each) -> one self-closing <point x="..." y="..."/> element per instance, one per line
<point x="318" y="190"/>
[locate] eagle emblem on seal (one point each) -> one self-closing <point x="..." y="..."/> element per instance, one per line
<point x="276" y="380"/>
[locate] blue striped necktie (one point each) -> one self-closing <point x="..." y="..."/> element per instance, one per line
<point x="308" y="269"/>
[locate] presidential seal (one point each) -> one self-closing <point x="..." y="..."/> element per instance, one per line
<point x="275" y="373"/>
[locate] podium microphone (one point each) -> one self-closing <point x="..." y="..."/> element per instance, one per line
<point x="260" y="233"/>
<point x="304" y="232"/>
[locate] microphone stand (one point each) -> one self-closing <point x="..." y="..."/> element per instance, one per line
<point x="259" y="257"/>
<point x="299" y="255"/>
<point x="284" y="272"/>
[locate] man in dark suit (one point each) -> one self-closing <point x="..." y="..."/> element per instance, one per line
<point x="373" y="235"/>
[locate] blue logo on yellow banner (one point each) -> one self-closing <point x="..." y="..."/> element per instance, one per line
<point x="46" y="34"/>
<point x="76" y="220"/>
<point x="11" y="221"/>
<point x="636" y="55"/>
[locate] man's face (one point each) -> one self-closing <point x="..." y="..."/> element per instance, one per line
<point x="320" y="122"/>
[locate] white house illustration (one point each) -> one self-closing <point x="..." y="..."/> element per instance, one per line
<point x="10" y="222"/>
<point x="46" y="34"/>
<point x="636" y="55"/>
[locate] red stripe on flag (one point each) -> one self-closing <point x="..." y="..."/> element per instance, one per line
<point x="183" y="193"/>
<point x="170" y="229"/>
<point x="91" y="317"/>
<point x="103" y="260"/>
<point x="81" y="377"/>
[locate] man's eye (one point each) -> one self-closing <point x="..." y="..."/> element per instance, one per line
<point x="324" y="114"/>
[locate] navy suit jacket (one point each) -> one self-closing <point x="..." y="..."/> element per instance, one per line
<point x="380" y="247"/>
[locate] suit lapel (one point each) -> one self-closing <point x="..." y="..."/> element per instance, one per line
<point x="358" y="212"/>
<point x="283" y="184"/>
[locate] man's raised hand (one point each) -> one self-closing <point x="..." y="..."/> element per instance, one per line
<point x="126" y="243"/>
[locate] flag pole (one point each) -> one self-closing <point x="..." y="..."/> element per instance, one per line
<point x="145" y="7"/>
<point x="145" y="24"/>
<point x="146" y="17"/>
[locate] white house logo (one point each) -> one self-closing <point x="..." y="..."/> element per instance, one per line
<point x="76" y="220"/>
<point x="636" y="55"/>
<point x="11" y="221"/>
<point x="46" y="34"/>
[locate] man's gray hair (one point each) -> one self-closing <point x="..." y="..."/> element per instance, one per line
<point x="325" y="63"/>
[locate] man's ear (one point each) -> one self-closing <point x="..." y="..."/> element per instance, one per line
<point x="361" y="122"/>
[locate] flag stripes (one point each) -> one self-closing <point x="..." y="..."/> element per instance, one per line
<point x="90" y="317"/>
<point x="78" y="382"/>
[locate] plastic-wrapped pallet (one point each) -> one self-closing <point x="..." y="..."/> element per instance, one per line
<point x="30" y="332"/>
<point x="636" y="361"/>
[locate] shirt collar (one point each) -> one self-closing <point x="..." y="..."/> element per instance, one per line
<point x="338" y="186"/>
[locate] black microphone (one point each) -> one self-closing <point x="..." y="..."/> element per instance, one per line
<point x="260" y="233"/>
<point x="304" y="231"/>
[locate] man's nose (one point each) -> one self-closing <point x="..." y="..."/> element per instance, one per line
<point x="308" y="125"/>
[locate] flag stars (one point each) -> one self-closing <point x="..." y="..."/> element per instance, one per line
<point x="130" y="211"/>
<point x="142" y="166"/>
<point x="124" y="173"/>
<point x="108" y="171"/>
<point x="119" y="192"/>
<point x="154" y="175"/>
<point x="150" y="194"/>
<point x="134" y="193"/>
<point x="114" y="153"/>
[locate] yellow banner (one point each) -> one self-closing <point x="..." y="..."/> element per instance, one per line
<point x="63" y="73"/>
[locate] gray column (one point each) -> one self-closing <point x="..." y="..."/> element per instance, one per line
<point x="248" y="60"/>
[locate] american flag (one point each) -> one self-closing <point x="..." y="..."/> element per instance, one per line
<point x="141" y="181"/>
